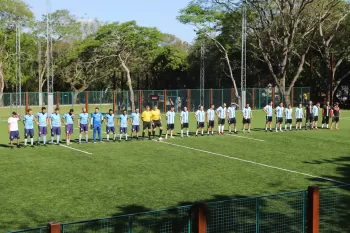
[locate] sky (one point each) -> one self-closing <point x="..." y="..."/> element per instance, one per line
<point x="150" y="13"/>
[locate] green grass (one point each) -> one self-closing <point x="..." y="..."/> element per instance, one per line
<point x="54" y="183"/>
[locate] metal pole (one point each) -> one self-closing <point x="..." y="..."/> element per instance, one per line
<point x="202" y="72"/>
<point x="49" y="57"/>
<point x="18" y="69"/>
<point x="244" y="55"/>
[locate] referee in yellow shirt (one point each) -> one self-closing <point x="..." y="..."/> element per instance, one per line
<point x="147" y="122"/>
<point x="157" y="121"/>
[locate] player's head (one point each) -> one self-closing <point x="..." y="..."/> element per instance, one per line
<point x="137" y="110"/>
<point x="124" y="112"/>
<point x="84" y="110"/>
<point x="212" y="106"/>
<point x="281" y="104"/>
<point x="110" y="111"/>
<point x="336" y="104"/>
<point x="271" y="103"/>
<point x="289" y="106"/>
<point x="43" y="109"/>
<point x="233" y="104"/>
<point x="201" y="107"/>
<point x="71" y="111"/>
<point x="155" y="107"/>
<point x="30" y="111"/>
<point x="185" y="109"/>
<point x="224" y="105"/>
<point x="57" y="110"/>
<point x="327" y="103"/>
<point x="300" y="105"/>
<point x="247" y="105"/>
<point x="172" y="108"/>
<point x="310" y="102"/>
<point x="318" y="104"/>
<point x="14" y="114"/>
<point x="147" y="107"/>
<point x="97" y="110"/>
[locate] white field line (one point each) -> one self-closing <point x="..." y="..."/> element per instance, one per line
<point x="260" y="164"/>
<point x="233" y="135"/>
<point x="85" y="152"/>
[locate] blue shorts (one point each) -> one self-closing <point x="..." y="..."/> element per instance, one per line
<point x="14" y="135"/>
<point x="29" y="132"/>
<point x="123" y="130"/>
<point x="110" y="129"/>
<point x="42" y="130"/>
<point x="84" y="128"/>
<point x="69" y="129"/>
<point x="55" y="131"/>
<point x="136" y="128"/>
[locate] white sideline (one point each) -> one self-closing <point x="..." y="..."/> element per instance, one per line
<point x="260" y="164"/>
<point x="85" y="152"/>
<point x="233" y="135"/>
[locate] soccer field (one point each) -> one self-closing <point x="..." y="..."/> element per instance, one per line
<point x="60" y="183"/>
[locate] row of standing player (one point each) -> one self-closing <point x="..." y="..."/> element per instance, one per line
<point x="310" y="113"/>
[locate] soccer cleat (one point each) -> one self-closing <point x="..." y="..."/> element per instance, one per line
<point x="235" y="133"/>
<point x="32" y="146"/>
<point x="18" y="146"/>
<point x="38" y="144"/>
<point x="171" y="137"/>
<point x="94" y="142"/>
<point x="87" y="142"/>
<point x="202" y="135"/>
<point x="11" y="147"/>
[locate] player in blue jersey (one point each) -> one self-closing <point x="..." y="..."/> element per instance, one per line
<point x="211" y="119"/>
<point x="289" y="117"/>
<point x="200" y="117"/>
<point x="170" y="117"/>
<point x="68" y="120"/>
<point x="268" y="112"/>
<point x="83" y="125"/>
<point x="221" y="113"/>
<point x="279" y="117"/>
<point x="43" y="120"/>
<point x="135" y="123"/>
<point x="184" y="116"/>
<point x="28" y="122"/>
<point x="316" y="110"/>
<point x="247" y="115"/>
<point x="109" y="122"/>
<point x="231" y="117"/>
<point x="55" y="125"/>
<point x="123" y="125"/>
<point x="299" y="116"/>
<point x="96" y="120"/>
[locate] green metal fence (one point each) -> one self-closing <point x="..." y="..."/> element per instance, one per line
<point x="256" y="97"/>
<point x="33" y="230"/>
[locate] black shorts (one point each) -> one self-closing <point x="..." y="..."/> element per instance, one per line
<point x="200" y="125"/>
<point x="246" y="121"/>
<point x="309" y="118"/>
<point x="279" y="119"/>
<point x="335" y="119"/>
<point x="325" y="119"/>
<point x="232" y="121"/>
<point x="299" y="120"/>
<point x="315" y="118"/>
<point x="170" y="126"/>
<point x="184" y="125"/>
<point x="289" y="121"/>
<point x="211" y="124"/>
<point x="146" y="125"/>
<point x="156" y="124"/>
<point x="221" y="121"/>
<point x="268" y="119"/>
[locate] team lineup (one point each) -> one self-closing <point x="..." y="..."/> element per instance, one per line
<point x="152" y="119"/>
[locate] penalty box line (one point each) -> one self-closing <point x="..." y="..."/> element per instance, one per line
<point x="256" y="163"/>
<point x="68" y="147"/>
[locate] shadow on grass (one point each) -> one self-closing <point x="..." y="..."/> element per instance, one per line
<point x="335" y="201"/>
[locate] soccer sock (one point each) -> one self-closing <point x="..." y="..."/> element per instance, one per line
<point x="280" y="127"/>
<point x="202" y="131"/>
<point x="80" y="136"/>
<point x="154" y="133"/>
<point x="52" y="139"/>
<point x="120" y="136"/>
<point x="182" y="133"/>
<point x="219" y="127"/>
<point x="235" y="129"/>
<point x="126" y="136"/>
<point x="44" y="139"/>
<point x="160" y="133"/>
<point x="114" y="136"/>
<point x="25" y="142"/>
<point x="86" y="137"/>
<point x="171" y="133"/>
<point x="266" y="128"/>
<point x="58" y="139"/>
<point x="285" y="127"/>
<point x="149" y="134"/>
<point x="322" y="126"/>
<point x="290" y="127"/>
<point x="327" y="126"/>
<point x="187" y="132"/>
<point x="222" y="128"/>
<point x="107" y="137"/>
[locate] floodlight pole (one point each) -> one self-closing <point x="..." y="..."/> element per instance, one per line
<point x="18" y="69"/>
<point x="244" y="55"/>
<point x="202" y="72"/>
<point x="49" y="58"/>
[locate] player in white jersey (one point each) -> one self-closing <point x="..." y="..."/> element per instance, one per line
<point x="200" y="117"/>
<point x="316" y="110"/>
<point x="289" y="116"/>
<point x="170" y="117"/>
<point x="211" y="119"/>
<point x="13" y="128"/>
<point x="184" y="117"/>
<point x="221" y="113"/>
<point x="268" y="111"/>
<point x="247" y="115"/>
<point x="279" y="117"/>
<point x="231" y="117"/>
<point x="299" y="114"/>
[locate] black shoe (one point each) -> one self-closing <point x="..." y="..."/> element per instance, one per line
<point x="196" y="135"/>
<point x="18" y="146"/>
<point x="149" y="138"/>
<point x="38" y="144"/>
<point x="25" y="146"/>
<point x="265" y="130"/>
<point x="11" y="147"/>
<point x="32" y="146"/>
<point x="235" y="133"/>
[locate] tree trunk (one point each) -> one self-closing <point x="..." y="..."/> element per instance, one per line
<point x="287" y="98"/>
<point x="129" y="83"/>
<point x="77" y="91"/>
<point x="2" y="83"/>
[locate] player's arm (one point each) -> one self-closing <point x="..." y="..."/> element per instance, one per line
<point x="181" y="119"/>
<point x="78" y="121"/>
<point x="119" y="120"/>
<point x="251" y="114"/>
<point x="8" y="128"/>
<point x="63" y="121"/>
<point x="196" y="116"/>
<point x="264" y="110"/>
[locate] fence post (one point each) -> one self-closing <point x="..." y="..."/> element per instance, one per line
<point x="115" y="102"/>
<point x="313" y="209"/>
<point x="211" y="96"/>
<point x="189" y="100"/>
<point x="232" y="95"/>
<point x="87" y="101"/>
<point x="54" y="227"/>
<point x="273" y="96"/>
<point x="58" y="101"/>
<point x="200" y="224"/>
<point x="140" y="100"/>
<point x="164" y="103"/>
<point x="253" y="99"/>
<point x="27" y="102"/>
<point x="292" y="97"/>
